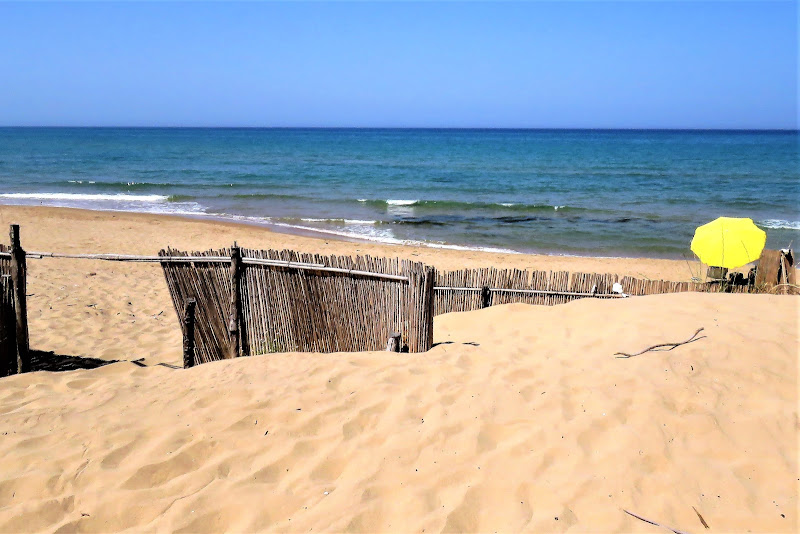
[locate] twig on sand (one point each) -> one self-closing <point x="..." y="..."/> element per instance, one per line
<point x="640" y="518"/>
<point x="661" y="345"/>
<point x="700" y="517"/>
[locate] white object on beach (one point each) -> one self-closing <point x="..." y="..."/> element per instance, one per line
<point x="617" y="288"/>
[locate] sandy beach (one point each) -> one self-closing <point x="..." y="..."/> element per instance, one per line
<point x="520" y="418"/>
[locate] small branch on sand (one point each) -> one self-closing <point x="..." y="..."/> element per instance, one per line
<point x="662" y="345"/>
<point x="640" y="518"/>
<point x="700" y="517"/>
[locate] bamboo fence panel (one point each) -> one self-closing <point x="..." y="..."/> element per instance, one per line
<point x="344" y="304"/>
<point x="209" y="284"/>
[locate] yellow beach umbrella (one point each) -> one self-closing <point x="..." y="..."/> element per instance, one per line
<point x="728" y="242"/>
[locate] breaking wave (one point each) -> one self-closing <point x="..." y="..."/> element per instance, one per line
<point x="86" y="197"/>
<point x="780" y="223"/>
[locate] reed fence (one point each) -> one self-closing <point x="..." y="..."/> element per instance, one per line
<point x="472" y="289"/>
<point x="637" y="287"/>
<point x="237" y="302"/>
<point x="261" y="301"/>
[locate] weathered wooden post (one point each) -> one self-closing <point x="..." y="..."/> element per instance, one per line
<point x="236" y="304"/>
<point x="394" y="342"/>
<point x="486" y="297"/>
<point x="420" y="307"/>
<point x="188" y="333"/>
<point x="19" y="282"/>
<point x="427" y="302"/>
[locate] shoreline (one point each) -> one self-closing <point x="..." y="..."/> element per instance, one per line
<point x="322" y="233"/>
<point x="267" y="236"/>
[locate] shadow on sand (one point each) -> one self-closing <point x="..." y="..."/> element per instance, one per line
<point x="50" y="361"/>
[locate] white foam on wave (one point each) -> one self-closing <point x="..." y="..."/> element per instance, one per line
<point x="780" y="223"/>
<point x="121" y="202"/>
<point x="82" y="197"/>
<point x="392" y="202"/>
<point x="178" y="208"/>
<point x="376" y="235"/>
<point x="343" y="221"/>
<point x="362" y="230"/>
<point x="464" y="247"/>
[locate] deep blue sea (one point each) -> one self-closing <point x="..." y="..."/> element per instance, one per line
<point x="583" y="192"/>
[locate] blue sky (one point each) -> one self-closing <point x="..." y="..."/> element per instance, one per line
<point x="535" y="64"/>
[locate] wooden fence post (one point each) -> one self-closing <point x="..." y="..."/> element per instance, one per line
<point x="236" y="304"/>
<point x="19" y="281"/>
<point x="420" y="308"/>
<point x="486" y="297"/>
<point x="188" y="333"/>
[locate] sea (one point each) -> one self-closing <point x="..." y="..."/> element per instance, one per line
<point x="630" y="193"/>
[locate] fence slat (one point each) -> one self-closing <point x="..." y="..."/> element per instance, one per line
<point x="235" y="314"/>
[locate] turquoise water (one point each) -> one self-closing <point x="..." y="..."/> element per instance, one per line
<point x="586" y="192"/>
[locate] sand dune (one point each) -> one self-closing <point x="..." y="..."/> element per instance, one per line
<point x="519" y="419"/>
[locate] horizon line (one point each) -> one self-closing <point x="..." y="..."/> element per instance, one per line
<point x="473" y="128"/>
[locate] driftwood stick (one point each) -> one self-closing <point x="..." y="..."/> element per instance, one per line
<point x="700" y="517"/>
<point x="660" y="345"/>
<point x="640" y="518"/>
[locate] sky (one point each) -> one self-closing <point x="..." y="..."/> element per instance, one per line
<point x="407" y="64"/>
